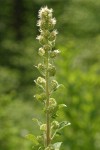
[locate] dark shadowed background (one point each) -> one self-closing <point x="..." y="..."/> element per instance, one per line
<point x="78" y="68"/>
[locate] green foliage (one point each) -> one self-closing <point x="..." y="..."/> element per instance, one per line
<point x="32" y="138"/>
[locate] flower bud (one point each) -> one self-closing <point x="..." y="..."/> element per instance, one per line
<point x="47" y="47"/>
<point x="45" y="33"/>
<point x="41" y="68"/>
<point x="41" y="51"/>
<point x="54" y="85"/>
<point x="42" y="24"/>
<point x="52" y="70"/>
<point x="51" y="23"/>
<point x="52" y="102"/>
<point x="43" y="127"/>
<point x="40" y="97"/>
<point x="40" y="81"/>
<point x="53" y="35"/>
<point x="52" y="105"/>
<point x="54" y="53"/>
<point x="42" y="39"/>
<point x="55" y="124"/>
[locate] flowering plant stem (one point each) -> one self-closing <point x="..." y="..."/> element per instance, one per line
<point x="48" y="85"/>
<point x="48" y="138"/>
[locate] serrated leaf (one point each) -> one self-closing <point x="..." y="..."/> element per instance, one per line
<point x="32" y="138"/>
<point x="37" y="121"/>
<point x="57" y="145"/>
<point x="63" y="124"/>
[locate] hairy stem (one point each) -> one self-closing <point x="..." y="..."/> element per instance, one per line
<point x="47" y="104"/>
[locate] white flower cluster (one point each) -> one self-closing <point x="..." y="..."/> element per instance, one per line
<point x="45" y="11"/>
<point x="48" y="34"/>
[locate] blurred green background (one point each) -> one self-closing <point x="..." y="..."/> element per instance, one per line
<point x="78" y="68"/>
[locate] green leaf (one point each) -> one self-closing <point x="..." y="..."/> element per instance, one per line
<point x="57" y="145"/>
<point x="62" y="105"/>
<point x="32" y="138"/>
<point x="63" y="124"/>
<point x="37" y="121"/>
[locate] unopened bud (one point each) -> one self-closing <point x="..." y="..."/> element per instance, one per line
<point x="52" y="102"/>
<point x="40" y="97"/>
<point x="41" y="52"/>
<point x="43" y="127"/>
<point x="55" y="124"/>
<point x="47" y="47"/>
<point x="41" y="68"/>
<point x="40" y="80"/>
<point x="42" y="39"/>
<point x="45" y="33"/>
<point x="53" y="35"/>
<point x="54" y="84"/>
<point x="51" y="23"/>
<point x="54" y="53"/>
<point x="52" y="70"/>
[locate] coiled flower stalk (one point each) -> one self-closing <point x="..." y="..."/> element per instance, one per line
<point x="47" y="83"/>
